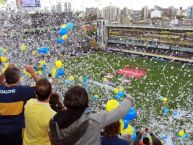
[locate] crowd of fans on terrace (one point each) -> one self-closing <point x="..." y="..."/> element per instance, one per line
<point x="157" y="51"/>
<point x="41" y="30"/>
<point x="38" y="112"/>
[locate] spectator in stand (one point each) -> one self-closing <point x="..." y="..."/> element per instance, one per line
<point x="139" y="139"/>
<point x="111" y="134"/>
<point x="151" y="136"/>
<point x="155" y="140"/>
<point x="12" y="99"/>
<point x="146" y="141"/>
<point x="37" y="115"/>
<point x="77" y="125"/>
<point x="55" y="102"/>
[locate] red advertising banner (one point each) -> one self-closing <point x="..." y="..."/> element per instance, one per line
<point x="132" y="72"/>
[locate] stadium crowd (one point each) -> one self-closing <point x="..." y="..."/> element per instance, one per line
<point x="34" y="115"/>
<point x="172" y="53"/>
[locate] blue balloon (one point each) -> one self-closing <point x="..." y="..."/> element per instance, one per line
<point x="161" y="97"/>
<point x="60" y="41"/>
<point x="165" y="110"/>
<point x="70" y="26"/>
<point x="117" y="97"/>
<point x="1" y="52"/>
<point x="164" y="137"/>
<point x="176" y="114"/>
<point x="43" y="50"/>
<point x="63" y="31"/>
<point x="95" y="98"/>
<point x="186" y="136"/>
<point x="134" y="136"/>
<point x="121" y="94"/>
<point x="85" y="79"/>
<point x="44" y="69"/>
<point x="130" y="115"/>
<point x="60" y="72"/>
<point x="126" y="123"/>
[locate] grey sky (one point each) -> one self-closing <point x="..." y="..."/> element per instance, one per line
<point x="133" y="4"/>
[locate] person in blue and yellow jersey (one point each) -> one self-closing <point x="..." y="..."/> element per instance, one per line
<point x="12" y="99"/>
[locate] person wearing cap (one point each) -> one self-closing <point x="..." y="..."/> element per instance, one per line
<point x="13" y="96"/>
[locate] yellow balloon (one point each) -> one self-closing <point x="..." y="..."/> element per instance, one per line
<point x="116" y="90"/>
<point x="41" y="63"/>
<point x="58" y="64"/>
<point x="53" y="73"/>
<point x="3" y="69"/>
<point x="128" y="130"/>
<point x="121" y="125"/>
<point x="112" y="105"/>
<point x="105" y="80"/>
<point x="97" y="96"/>
<point x="80" y="79"/>
<point x="26" y="73"/>
<point x="3" y="50"/>
<point x="63" y="26"/>
<point x="164" y="99"/>
<point x="181" y="133"/>
<point x="39" y="72"/>
<point x="6" y="65"/>
<point x="3" y="59"/>
<point x="121" y="89"/>
<point x="64" y="37"/>
<point x="23" y="47"/>
<point x="71" y="78"/>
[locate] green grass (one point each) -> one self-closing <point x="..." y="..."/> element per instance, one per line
<point x="169" y="79"/>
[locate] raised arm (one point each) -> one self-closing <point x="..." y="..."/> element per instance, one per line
<point x="105" y="118"/>
<point x="30" y="70"/>
<point x="2" y="78"/>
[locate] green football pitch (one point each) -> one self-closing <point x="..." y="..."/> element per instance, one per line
<point x="170" y="79"/>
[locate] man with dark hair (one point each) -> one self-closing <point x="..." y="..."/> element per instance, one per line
<point x="12" y="75"/>
<point x="146" y="141"/>
<point x="77" y="124"/>
<point x="37" y="115"/>
<point x="12" y="99"/>
<point x="76" y="98"/>
<point x="43" y="89"/>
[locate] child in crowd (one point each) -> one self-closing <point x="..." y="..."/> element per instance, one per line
<point x="55" y="102"/>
